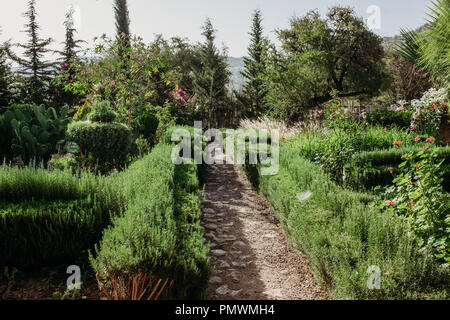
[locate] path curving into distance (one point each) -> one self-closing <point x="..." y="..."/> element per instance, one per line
<point x="249" y="254"/>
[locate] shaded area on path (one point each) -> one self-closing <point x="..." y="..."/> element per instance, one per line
<point x="251" y="258"/>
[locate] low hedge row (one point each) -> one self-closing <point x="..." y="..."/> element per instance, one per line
<point x="370" y="169"/>
<point x="35" y="234"/>
<point x="159" y="234"/>
<point x="49" y="218"/>
<point x="343" y="237"/>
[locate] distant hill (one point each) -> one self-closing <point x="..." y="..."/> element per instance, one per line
<point x="392" y="42"/>
<point x="236" y="65"/>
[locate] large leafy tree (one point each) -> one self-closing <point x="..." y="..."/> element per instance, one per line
<point x="319" y="56"/>
<point x="34" y="67"/>
<point x="211" y="76"/>
<point x="254" y="91"/>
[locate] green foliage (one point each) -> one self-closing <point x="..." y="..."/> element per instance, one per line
<point x="159" y="234"/>
<point x="418" y="195"/>
<point x="37" y="71"/>
<point x="342" y="237"/>
<point x="148" y="125"/>
<point x="254" y="91"/>
<point x="435" y="48"/>
<point x="211" y="76"/>
<point x="388" y="118"/>
<point x="65" y="162"/>
<point x="48" y="218"/>
<point x="36" y="136"/>
<point x="102" y="113"/>
<point x="82" y="112"/>
<point x="39" y="233"/>
<point x="109" y="143"/>
<point x="319" y="55"/>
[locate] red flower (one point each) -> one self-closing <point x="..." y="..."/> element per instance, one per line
<point x="391" y="203"/>
<point x="398" y="143"/>
<point x="435" y="106"/>
<point x="424" y="148"/>
<point x="418" y="166"/>
<point x="430" y="140"/>
<point x="391" y="170"/>
<point x="417" y="139"/>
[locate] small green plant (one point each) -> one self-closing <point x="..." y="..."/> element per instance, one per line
<point x="418" y="195"/>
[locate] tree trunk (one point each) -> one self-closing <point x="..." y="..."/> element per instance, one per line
<point x="444" y="129"/>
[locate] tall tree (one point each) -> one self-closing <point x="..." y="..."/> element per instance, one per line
<point x="211" y="76"/>
<point x="5" y="78"/>
<point x="71" y="45"/>
<point x="323" y="55"/>
<point x="122" y="22"/>
<point x="69" y="56"/>
<point x="34" y="67"/>
<point x="254" y="91"/>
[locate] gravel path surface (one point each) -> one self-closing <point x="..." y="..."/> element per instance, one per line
<point x="249" y="253"/>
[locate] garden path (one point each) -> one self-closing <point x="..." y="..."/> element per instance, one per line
<point x="249" y="253"/>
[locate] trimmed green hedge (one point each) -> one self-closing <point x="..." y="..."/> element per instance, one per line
<point x="49" y="218"/>
<point x="107" y="142"/>
<point x="389" y="118"/>
<point x="370" y="169"/>
<point x="343" y="237"/>
<point x="159" y="234"/>
<point x="35" y="234"/>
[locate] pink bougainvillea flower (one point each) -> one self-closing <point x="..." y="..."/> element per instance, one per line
<point x="417" y="139"/>
<point x="182" y="95"/>
<point x="398" y="143"/>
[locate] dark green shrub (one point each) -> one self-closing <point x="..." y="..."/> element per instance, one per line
<point x="48" y="218"/>
<point x="148" y="125"/>
<point x="5" y="138"/>
<point x="40" y="233"/>
<point x="343" y="237"/>
<point x="102" y="112"/>
<point x="389" y="118"/>
<point x="368" y="170"/>
<point x="109" y="143"/>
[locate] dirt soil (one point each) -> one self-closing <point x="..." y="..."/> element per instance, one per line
<point x="249" y="253"/>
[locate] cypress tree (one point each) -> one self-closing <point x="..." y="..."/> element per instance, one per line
<point x="255" y="64"/>
<point x="212" y="75"/>
<point x="38" y="71"/>
<point x="122" y="22"/>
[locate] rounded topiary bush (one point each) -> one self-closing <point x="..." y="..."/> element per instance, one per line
<point x="106" y="142"/>
<point x="102" y="112"/>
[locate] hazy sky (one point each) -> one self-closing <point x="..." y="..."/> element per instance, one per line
<point x="232" y="18"/>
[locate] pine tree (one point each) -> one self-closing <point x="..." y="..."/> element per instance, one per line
<point x="254" y="91"/>
<point x="38" y="71"/>
<point x="5" y="78"/>
<point x="212" y="75"/>
<point x="122" y="22"/>
<point x="68" y="60"/>
<point x="71" y="46"/>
